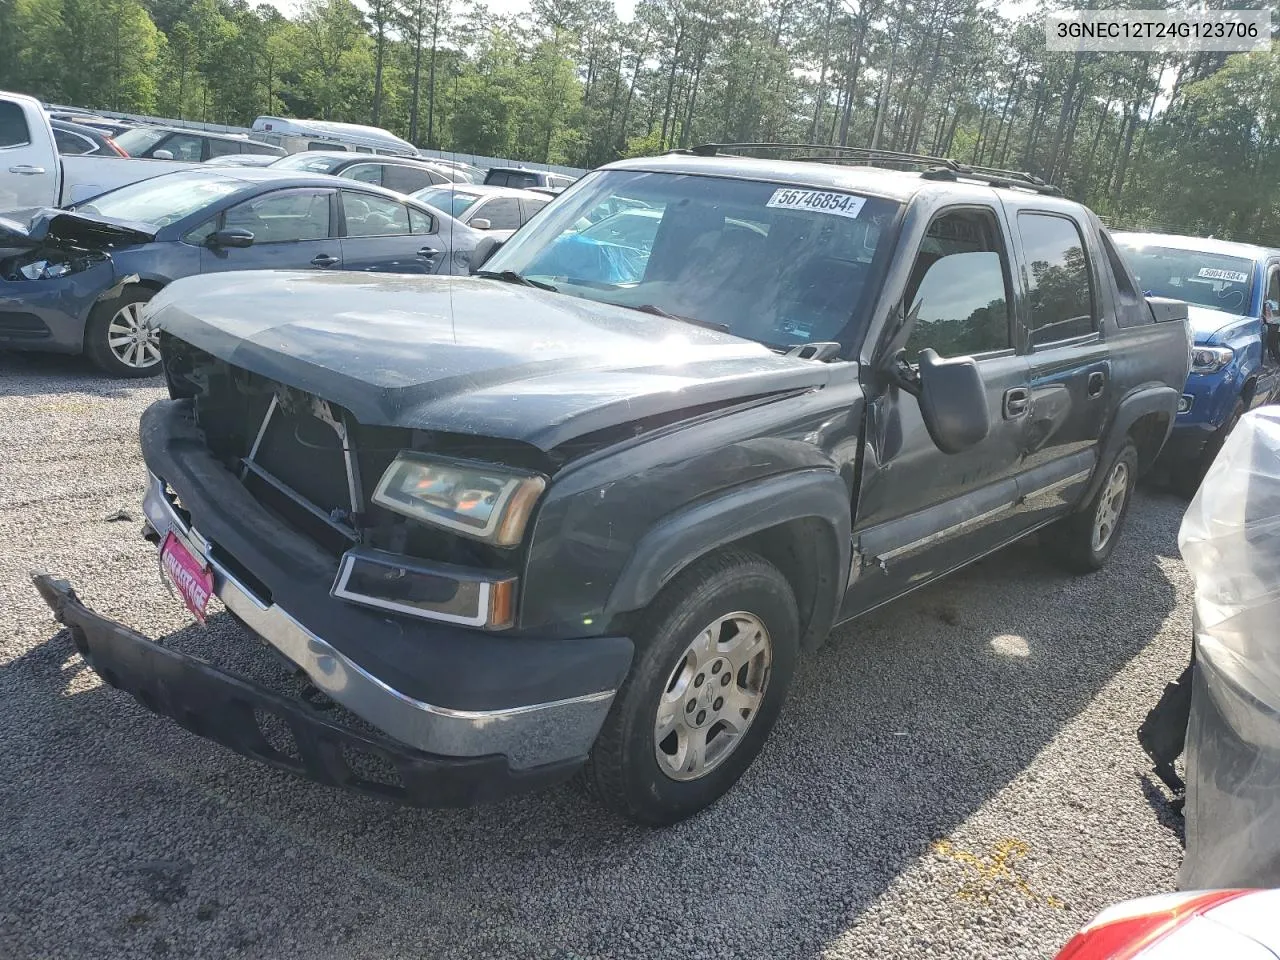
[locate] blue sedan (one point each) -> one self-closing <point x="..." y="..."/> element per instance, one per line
<point x="1233" y="296"/>
<point x="75" y="280"/>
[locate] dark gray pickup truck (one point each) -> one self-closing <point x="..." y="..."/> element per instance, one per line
<point x="585" y="510"/>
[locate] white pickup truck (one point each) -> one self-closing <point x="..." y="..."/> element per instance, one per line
<point x="34" y="174"/>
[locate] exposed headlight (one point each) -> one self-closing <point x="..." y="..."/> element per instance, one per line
<point x="44" y="269"/>
<point x="473" y="499"/>
<point x="1210" y="359"/>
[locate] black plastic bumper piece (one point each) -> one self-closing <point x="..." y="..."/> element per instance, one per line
<point x="238" y="714"/>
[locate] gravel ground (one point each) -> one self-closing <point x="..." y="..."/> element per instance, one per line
<point x="955" y="776"/>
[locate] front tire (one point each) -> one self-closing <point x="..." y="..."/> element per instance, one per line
<point x="715" y="653"/>
<point x="117" y="338"/>
<point x="1084" y="541"/>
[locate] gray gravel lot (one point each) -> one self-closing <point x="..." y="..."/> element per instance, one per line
<point x="955" y="776"/>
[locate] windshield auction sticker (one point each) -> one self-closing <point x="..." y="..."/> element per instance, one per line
<point x="1160" y="31"/>
<point x="1213" y="273"/>
<point x="817" y="201"/>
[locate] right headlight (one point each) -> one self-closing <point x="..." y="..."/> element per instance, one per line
<point x="477" y="500"/>
<point x="1210" y="359"/>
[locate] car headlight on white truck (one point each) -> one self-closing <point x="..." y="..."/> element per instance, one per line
<point x="492" y="504"/>
<point x="1210" y="359"/>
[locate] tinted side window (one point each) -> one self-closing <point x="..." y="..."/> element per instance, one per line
<point x="405" y="179"/>
<point x="250" y="146"/>
<point x="371" y="216"/>
<point x="503" y="213"/>
<point x="1061" y="300"/>
<point x="421" y="222"/>
<point x="959" y="287"/>
<point x="183" y="146"/>
<point x="365" y="173"/>
<point x="284" y="217"/>
<point x="13" y="125"/>
<point x="72" y="143"/>
<point x="531" y="207"/>
<point x="222" y="148"/>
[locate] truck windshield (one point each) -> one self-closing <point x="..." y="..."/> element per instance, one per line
<point x="162" y="200"/>
<point x="1211" y="280"/>
<point x="779" y="264"/>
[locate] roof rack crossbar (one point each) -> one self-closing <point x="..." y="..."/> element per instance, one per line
<point x="711" y="149"/>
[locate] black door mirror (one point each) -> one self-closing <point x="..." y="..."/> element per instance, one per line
<point x="952" y="397"/>
<point x="485" y="249"/>
<point x="230" y="238"/>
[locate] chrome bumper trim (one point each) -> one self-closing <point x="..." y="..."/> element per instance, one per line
<point x="528" y="735"/>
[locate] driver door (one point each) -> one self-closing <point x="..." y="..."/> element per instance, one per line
<point x="292" y="230"/>
<point x="922" y="512"/>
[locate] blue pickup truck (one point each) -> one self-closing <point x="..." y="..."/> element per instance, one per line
<point x="1233" y="292"/>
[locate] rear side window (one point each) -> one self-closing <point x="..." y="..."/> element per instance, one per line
<point x="1133" y="310"/>
<point x="13" y="126"/>
<point x="959" y="287"/>
<point x="1061" y="300"/>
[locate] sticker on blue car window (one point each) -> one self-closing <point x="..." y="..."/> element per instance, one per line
<point x="1213" y="273"/>
<point x="817" y="201"/>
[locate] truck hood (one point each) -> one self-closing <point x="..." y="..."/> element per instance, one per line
<point x="469" y="355"/>
<point x="48" y="226"/>
<point x="1213" y="326"/>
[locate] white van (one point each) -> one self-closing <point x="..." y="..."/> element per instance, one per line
<point x="296" y="136"/>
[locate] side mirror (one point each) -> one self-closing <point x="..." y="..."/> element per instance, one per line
<point x="480" y="223"/>
<point x="162" y="155"/>
<point x="230" y="238"/>
<point x="485" y="249"/>
<point x="952" y="397"/>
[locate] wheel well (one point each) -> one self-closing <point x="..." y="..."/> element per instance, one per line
<point x="1246" y="392"/>
<point x="1148" y="434"/>
<point x="155" y="285"/>
<point x="802" y="550"/>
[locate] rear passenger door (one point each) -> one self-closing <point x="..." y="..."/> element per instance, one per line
<point x="384" y="235"/>
<point x="292" y="230"/>
<point x="1062" y="319"/>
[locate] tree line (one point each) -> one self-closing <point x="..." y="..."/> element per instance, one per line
<point x="1186" y="143"/>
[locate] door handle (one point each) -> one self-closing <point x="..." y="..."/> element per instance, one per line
<point x="325" y="260"/>
<point x="1016" y="402"/>
<point x="428" y="252"/>
<point x="1097" y="383"/>
<point x="26" y="170"/>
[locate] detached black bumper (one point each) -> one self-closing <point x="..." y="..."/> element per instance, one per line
<point x="251" y="720"/>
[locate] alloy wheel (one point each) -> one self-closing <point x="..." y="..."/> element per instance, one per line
<point x="712" y="696"/>
<point x="132" y="340"/>
<point x="1110" y="505"/>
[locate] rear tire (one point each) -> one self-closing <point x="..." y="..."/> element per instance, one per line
<point x="117" y="338"/>
<point x="715" y="653"/>
<point x="1084" y="541"/>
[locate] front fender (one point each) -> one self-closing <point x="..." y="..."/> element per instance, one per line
<point x="739" y="512"/>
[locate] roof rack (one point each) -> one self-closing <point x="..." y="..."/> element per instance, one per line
<point x="937" y="168"/>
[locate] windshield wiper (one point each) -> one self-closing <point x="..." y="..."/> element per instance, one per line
<point x="510" y="276"/>
<point x="657" y="311"/>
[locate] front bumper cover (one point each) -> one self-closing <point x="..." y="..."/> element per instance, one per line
<point x="231" y="710"/>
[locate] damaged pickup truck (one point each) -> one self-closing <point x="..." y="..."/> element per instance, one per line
<point x="585" y="510"/>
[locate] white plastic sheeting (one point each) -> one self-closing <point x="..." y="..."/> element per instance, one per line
<point x="1230" y="539"/>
